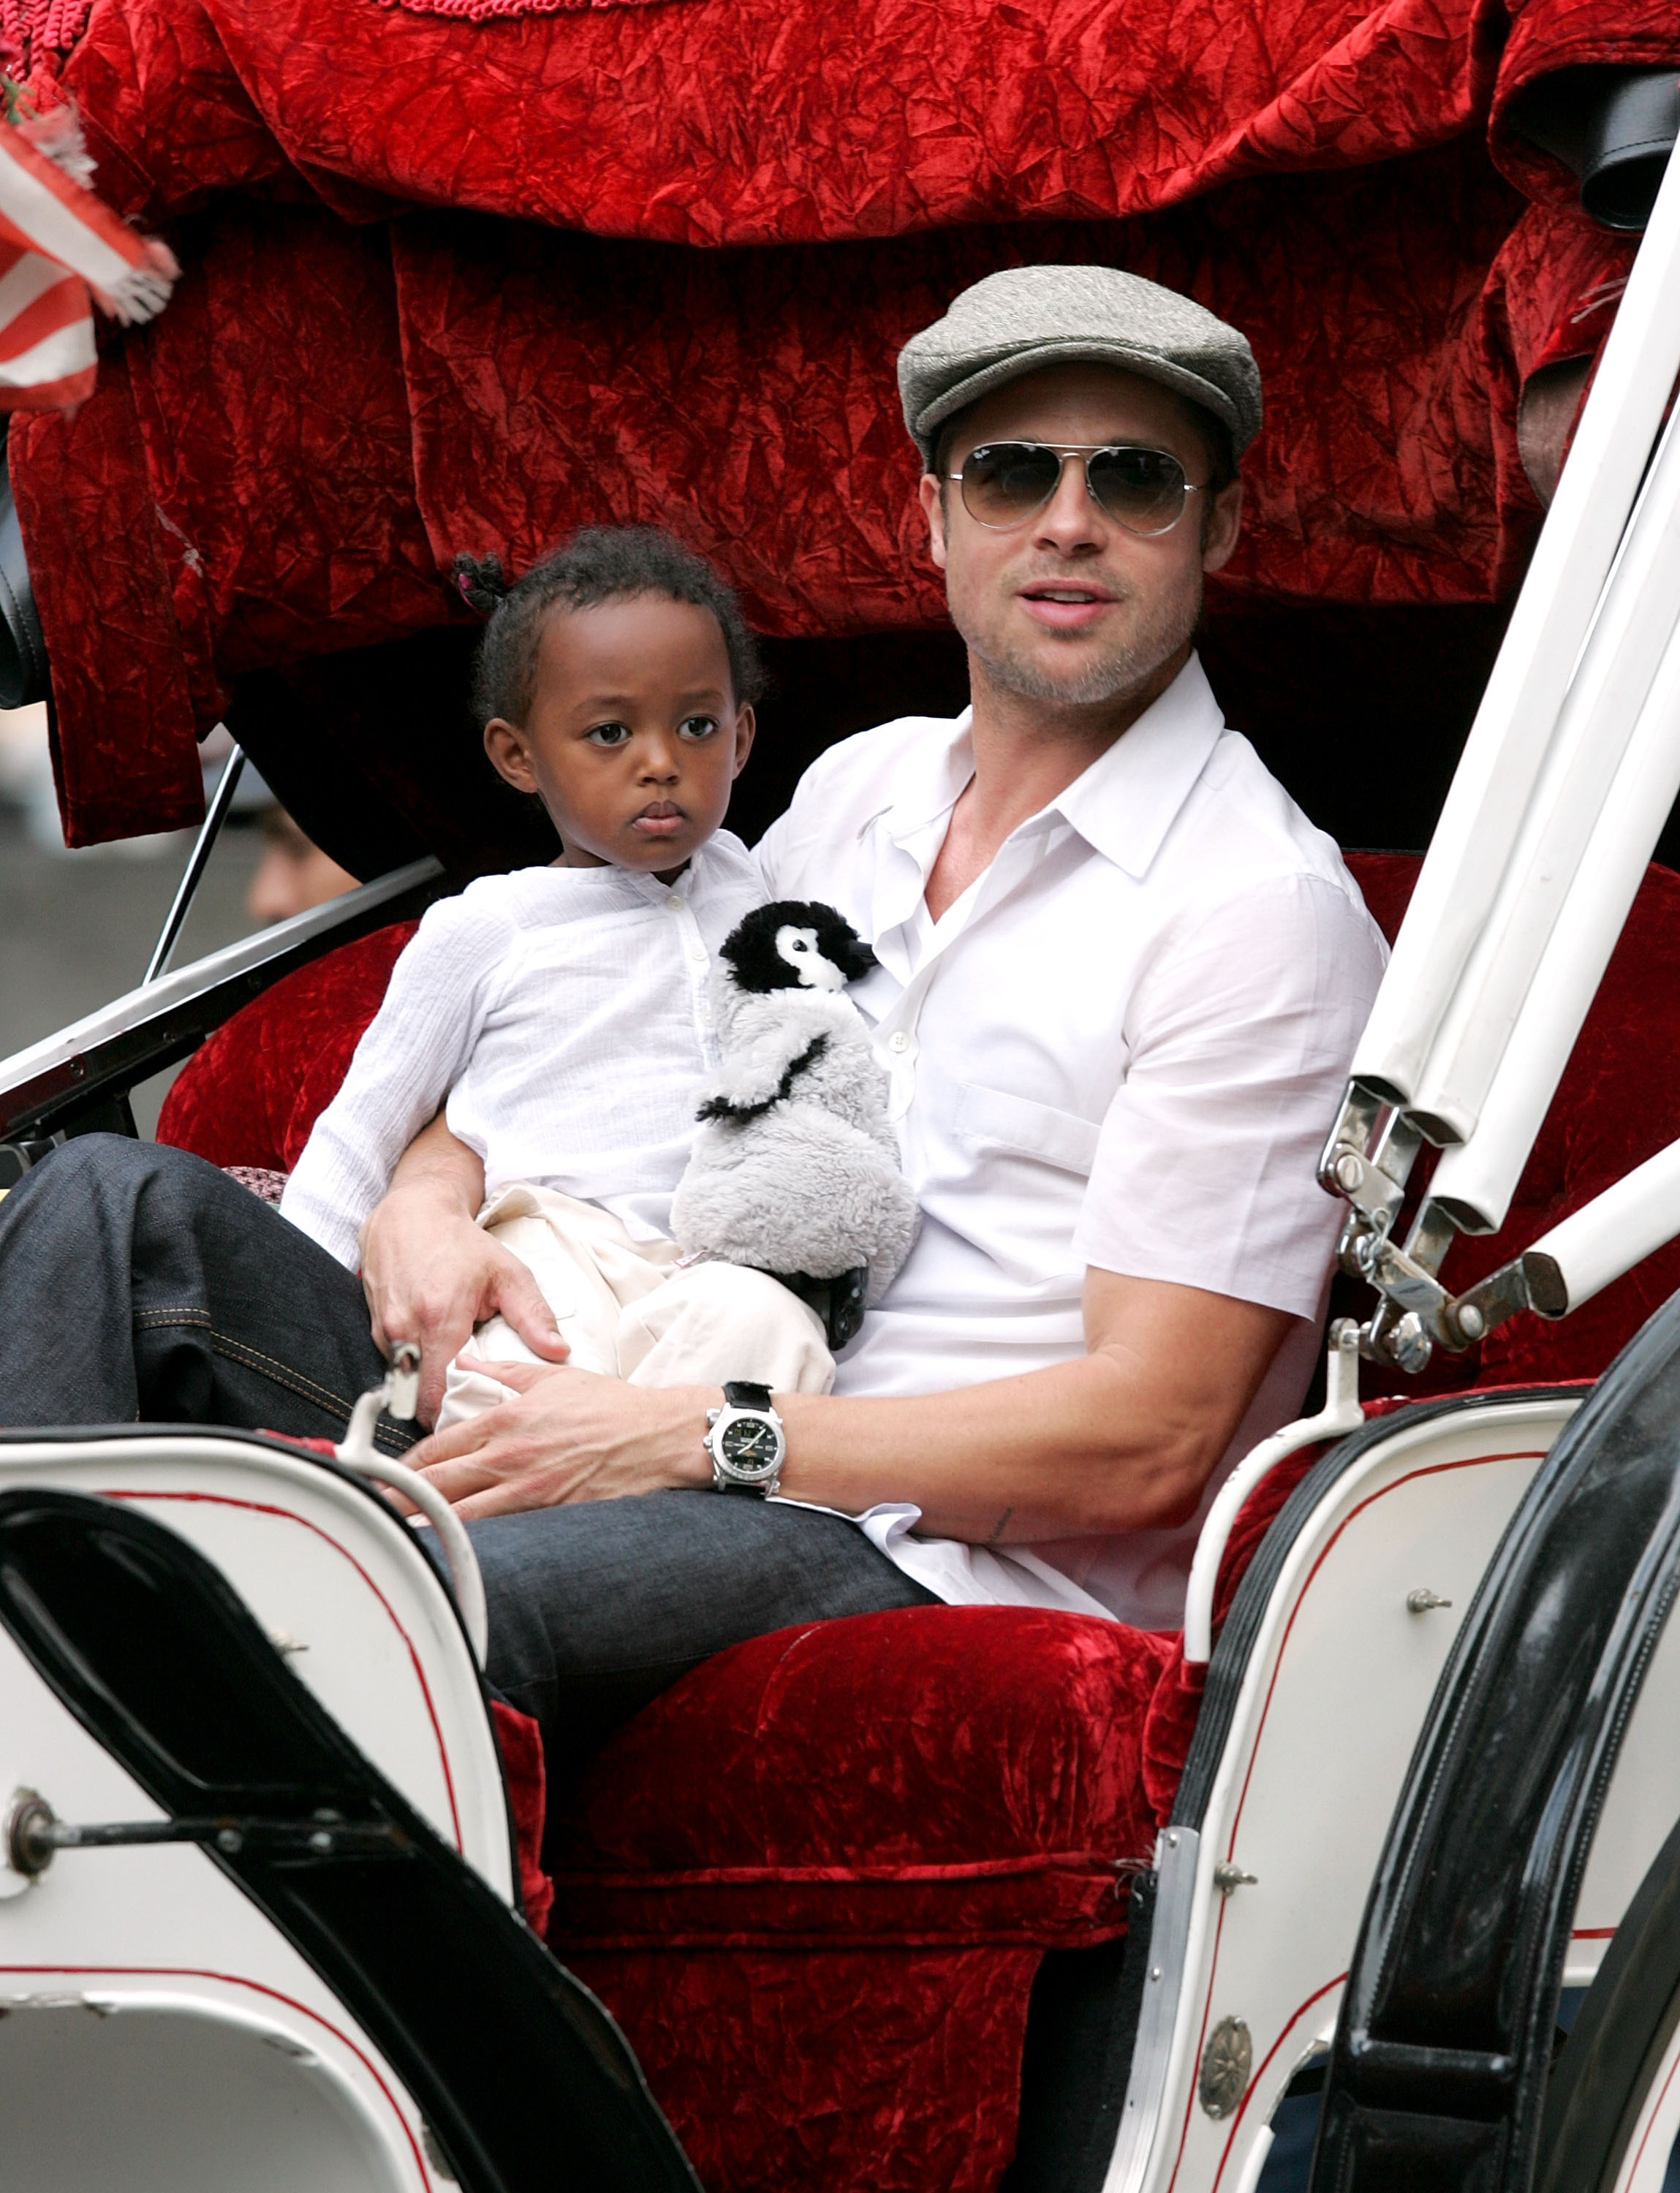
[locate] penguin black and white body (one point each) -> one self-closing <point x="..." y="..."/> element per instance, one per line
<point x="794" y="1168"/>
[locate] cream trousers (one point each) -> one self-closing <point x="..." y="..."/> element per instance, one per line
<point x="626" y="1308"/>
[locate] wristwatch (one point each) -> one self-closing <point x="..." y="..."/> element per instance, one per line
<point x="746" y="1442"/>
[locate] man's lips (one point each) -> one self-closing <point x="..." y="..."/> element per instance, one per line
<point x="1065" y="605"/>
<point x="663" y="819"/>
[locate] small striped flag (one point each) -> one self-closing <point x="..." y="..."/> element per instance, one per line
<point x="61" y="248"/>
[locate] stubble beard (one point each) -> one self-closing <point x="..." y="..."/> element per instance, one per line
<point x="1121" y="670"/>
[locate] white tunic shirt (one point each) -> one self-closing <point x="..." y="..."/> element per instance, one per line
<point x="565" y="1014"/>
<point x="1123" y="1047"/>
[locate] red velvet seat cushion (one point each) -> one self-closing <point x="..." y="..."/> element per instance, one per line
<point x="982" y="1781"/>
<point x="814" y="1880"/>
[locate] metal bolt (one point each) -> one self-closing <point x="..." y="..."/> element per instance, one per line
<point x="229" y="1842"/>
<point x="30" y="1843"/>
<point x="1350" y="1171"/>
<point x="321" y="1841"/>
<point x="1228" y="1876"/>
<point x="1471" y="1321"/>
<point x="1226" y="2063"/>
<point x="1409" y="1345"/>
<point x="1421" y="1600"/>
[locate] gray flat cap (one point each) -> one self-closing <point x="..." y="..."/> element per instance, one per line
<point x="1027" y="317"/>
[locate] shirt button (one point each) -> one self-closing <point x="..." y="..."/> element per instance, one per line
<point x="674" y="901"/>
<point x="697" y="953"/>
<point x="898" y="1041"/>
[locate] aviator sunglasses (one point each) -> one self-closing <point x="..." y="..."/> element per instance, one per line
<point x="1004" y="484"/>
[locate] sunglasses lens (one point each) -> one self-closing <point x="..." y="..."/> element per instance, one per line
<point x="1142" y="489"/>
<point x="1004" y="482"/>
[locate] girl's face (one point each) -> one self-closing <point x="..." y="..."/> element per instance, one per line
<point x="633" y="738"/>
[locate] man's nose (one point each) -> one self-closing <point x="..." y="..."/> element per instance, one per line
<point x="1071" y="519"/>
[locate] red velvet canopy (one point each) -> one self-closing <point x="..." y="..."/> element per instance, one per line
<point x="456" y="284"/>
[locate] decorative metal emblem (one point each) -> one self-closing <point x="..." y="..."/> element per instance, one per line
<point x="1226" y="2062"/>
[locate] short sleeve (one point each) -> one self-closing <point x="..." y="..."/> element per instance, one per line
<point x="1239" y="1038"/>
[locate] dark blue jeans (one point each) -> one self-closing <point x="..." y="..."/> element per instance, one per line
<point x="140" y="1285"/>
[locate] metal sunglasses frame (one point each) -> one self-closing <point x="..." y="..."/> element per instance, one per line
<point x="1061" y="451"/>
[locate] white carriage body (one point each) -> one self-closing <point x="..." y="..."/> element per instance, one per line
<point x="157" y="2031"/>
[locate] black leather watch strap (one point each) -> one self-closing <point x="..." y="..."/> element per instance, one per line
<point x="740" y="1394"/>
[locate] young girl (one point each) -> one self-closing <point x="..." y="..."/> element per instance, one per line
<point x="565" y="1012"/>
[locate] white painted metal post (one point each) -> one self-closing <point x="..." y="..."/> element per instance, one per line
<point x="1474" y="1183"/>
<point x="1594" y="735"/>
<point x="1508" y="742"/>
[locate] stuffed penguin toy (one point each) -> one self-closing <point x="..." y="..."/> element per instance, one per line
<point x="794" y="1168"/>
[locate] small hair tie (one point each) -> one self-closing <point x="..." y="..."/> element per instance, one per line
<point x="478" y="581"/>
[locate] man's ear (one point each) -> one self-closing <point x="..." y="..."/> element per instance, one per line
<point x="746" y="729"/>
<point x="933" y="505"/>
<point x="1225" y="523"/>
<point x="505" y="744"/>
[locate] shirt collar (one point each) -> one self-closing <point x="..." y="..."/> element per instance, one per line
<point x="1123" y="806"/>
<point x="930" y="780"/>
<point x="1128" y="799"/>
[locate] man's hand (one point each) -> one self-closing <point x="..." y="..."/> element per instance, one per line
<point x="568" y="1435"/>
<point x="431" y="1275"/>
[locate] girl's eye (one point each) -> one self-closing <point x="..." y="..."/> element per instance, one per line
<point x="697" y="727"/>
<point x="608" y="735"/>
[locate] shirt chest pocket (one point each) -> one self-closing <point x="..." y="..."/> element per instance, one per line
<point x="991" y="1120"/>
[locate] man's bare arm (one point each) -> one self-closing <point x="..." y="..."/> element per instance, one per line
<point x="1125" y="1438"/>
<point x="431" y="1275"/>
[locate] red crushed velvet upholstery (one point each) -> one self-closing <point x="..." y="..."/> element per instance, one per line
<point x="824" y="1961"/>
<point x="251" y="1093"/>
<point x="550" y="332"/>
<point x="520" y="1740"/>
<point x="826" y="1974"/>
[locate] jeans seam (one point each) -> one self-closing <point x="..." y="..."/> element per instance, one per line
<point x="268" y="1366"/>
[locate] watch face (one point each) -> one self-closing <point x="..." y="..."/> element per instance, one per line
<point x="751" y="1444"/>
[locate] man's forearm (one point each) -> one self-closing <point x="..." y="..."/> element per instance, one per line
<point x="1125" y="1438"/>
<point x="1049" y="1454"/>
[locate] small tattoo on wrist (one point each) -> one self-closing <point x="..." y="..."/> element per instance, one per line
<point x="999" y="1527"/>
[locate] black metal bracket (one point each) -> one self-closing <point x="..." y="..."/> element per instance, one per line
<point x="34" y="1834"/>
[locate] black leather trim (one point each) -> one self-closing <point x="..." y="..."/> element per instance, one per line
<point x="1595" y="2081"/>
<point x="1439" y="2071"/>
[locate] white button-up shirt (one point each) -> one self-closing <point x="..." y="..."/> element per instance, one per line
<point x="1123" y="1047"/>
<point x="566" y="1015"/>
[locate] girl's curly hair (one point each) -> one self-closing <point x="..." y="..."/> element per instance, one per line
<point x="601" y="563"/>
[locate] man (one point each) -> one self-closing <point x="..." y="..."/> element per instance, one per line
<point x="1121" y="981"/>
